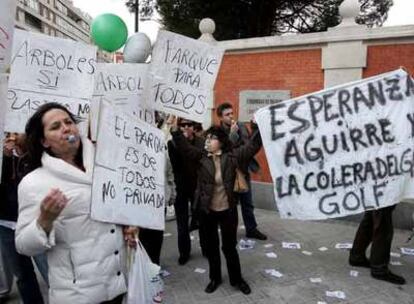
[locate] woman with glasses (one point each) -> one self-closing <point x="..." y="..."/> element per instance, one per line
<point x="214" y="198"/>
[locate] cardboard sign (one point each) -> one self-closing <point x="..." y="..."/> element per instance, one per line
<point x="129" y="176"/>
<point x="7" y="16"/>
<point x="125" y="86"/>
<point x="46" y="69"/>
<point x="183" y="72"/>
<point x="343" y="150"/>
<point x="3" y="94"/>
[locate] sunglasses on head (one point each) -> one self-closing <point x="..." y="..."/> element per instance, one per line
<point x="186" y="124"/>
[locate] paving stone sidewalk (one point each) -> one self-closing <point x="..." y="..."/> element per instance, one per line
<point x="185" y="286"/>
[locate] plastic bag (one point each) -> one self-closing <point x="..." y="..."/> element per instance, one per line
<point x="145" y="285"/>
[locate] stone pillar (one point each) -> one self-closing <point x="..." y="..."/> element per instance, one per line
<point x="344" y="61"/>
<point x="207" y="27"/>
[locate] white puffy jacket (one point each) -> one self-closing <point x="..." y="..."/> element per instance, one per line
<point x="87" y="261"/>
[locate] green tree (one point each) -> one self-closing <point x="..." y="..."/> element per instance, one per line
<point x="256" y="18"/>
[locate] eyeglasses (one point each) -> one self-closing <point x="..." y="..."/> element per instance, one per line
<point x="186" y="124"/>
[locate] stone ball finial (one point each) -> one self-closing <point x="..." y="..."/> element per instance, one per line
<point x="349" y="10"/>
<point x="207" y="27"/>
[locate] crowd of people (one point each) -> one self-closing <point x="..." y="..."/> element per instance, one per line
<point x="46" y="195"/>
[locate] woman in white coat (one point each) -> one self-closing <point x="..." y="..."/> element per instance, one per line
<point x="87" y="262"/>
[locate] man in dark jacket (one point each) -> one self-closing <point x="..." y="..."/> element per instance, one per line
<point x="239" y="135"/>
<point x="185" y="175"/>
<point x="21" y="266"/>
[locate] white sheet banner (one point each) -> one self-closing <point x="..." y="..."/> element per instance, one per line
<point x="125" y="86"/>
<point x="183" y="72"/>
<point x="343" y="150"/>
<point x="7" y="16"/>
<point x="3" y="94"/>
<point x="45" y="69"/>
<point x="129" y="176"/>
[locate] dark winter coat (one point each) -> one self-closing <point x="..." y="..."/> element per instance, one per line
<point x="235" y="158"/>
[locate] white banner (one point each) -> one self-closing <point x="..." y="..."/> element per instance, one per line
<point x="129" y="176"/>
<point x="3" y="94"/>
<point x="7" y="16"/>
<point x="45" y="69"/>
<point x="343" y="150"/>
<point x="183" y="72"/>
<point x="125" y="86"/>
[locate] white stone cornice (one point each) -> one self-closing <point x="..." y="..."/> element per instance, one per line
<point x="313" y="39"/>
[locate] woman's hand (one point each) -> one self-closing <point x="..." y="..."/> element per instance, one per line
<point x="50" y="208"/>
<point x="131" y="236"/>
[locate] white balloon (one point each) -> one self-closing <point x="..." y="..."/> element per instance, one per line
<point x="137" y="48"/>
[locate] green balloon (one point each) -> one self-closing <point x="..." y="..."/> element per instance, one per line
<point x="109" y="32"/>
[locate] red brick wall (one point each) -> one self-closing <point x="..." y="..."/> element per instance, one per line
<point x="296" y="70"/>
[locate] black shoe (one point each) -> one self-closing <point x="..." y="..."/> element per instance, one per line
<point x="212" y="286"/>
<point x="243" y="287"/>
<point x="183" y="259"/>
<point x="364" y="262"/>
<point x="388" y="276"/>
<point x="256" y="234"/>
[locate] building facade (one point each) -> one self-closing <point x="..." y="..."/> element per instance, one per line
<point x="58" y="18"/>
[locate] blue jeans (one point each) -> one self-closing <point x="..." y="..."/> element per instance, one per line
<point x="247" y="208"/>
<point x="41" y="264"/>
<point x="22" y="268"/>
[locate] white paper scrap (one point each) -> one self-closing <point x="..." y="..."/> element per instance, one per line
<point x="246" y="244"/>
<point x="306" y="252"/>
<point x="407" y="251"/>
<point x="268" y="245"/>
<point x="271" y="255"/>
<point x="321" y="302"/>
<point x="323" y="249"/>
<point x="343" y="246"/>
<point x="315" y="280"/>
<point x="395" y="254"/>
<point x="164" y="273"/>
<point x="396" y="263"/>
<point x="336" y="294"/>
<point x="200" y="270"/>
<point x="290" y="245"/>
<point x="242" y="227"/>
<point x="353" y="273"/>
<point x="274" y="273"/>
<point x="167" y="234"/>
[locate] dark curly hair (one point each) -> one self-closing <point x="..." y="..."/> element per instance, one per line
<point x="35" y="133"/>
<point x="222" y="137"/>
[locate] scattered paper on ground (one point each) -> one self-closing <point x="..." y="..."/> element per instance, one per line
<point x="395" y="255"/>
<point x="343" y="246"/>
<point x="321" y="302"/>
<point x="396" y="263"/>
<point x="164" y="273"/>
<point x="271" y="255"/>
<point x="200" y="270"/>
<point x="246" y="244"/>
<point x="167" y="234"/>
<point x="336" y="294"/>
<point x="407" y="251"/>
<point x="323" y="249"/>
<point x="306" y="252"/>
<point x="315" y="280"/>
<point x="274" y="273"/>
<point x="268" y="245"/>
<point x="290" y="245"/>
<point x="353" y="273"/>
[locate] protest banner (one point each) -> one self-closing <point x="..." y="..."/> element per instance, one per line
<point x="45" y="69"/>
<point x="343" y="150"/>
<point x="183" y="72"/>
<point x="129" y="175"/>
<point x="125" y="86"/>
<point x="7" y="15"/>
<point x="3" y="94"/>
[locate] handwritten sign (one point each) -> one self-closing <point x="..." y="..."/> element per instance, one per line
<point x="7" y="15"/>
<point x="125" y="86"/>
<point x="129" y="176"/>
<point x="343" y="150"/>
<point x="183" y="72"/>
<point x="3" y="94"/>
<point x="48" y="69"/>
